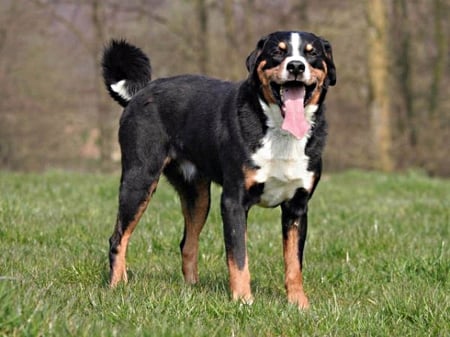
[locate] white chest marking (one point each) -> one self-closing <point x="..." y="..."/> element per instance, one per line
<point x="283" y="167"/>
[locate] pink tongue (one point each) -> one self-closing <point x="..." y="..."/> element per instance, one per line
<point x="294" y="112"/>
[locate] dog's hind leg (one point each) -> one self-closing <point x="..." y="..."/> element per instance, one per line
<point x="195" y="202"/>
<point x="138" y="183"/>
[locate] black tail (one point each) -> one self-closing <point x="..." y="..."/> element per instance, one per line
<point x="126" y="70"/>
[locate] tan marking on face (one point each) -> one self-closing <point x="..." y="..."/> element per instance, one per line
<point x="318" y="76"/>
<point x="239" y="281"/>
<point x="266" y="76"/>
<point x="194" y="220"/>
<point x="293" y="273"/>
<point x="282" y="45"/>
<point x="309" y="47"/>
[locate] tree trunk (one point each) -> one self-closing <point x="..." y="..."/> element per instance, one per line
<point x="104" y="118"/>
<point x="203" y="46"/>
<point x="231" y="38"/>
<point x="401" y="25"/>
<point x="441" y="53"/>
<point x="379" y="102"/>
<point x="300" y="8"/>
<point x="249" y="12"/>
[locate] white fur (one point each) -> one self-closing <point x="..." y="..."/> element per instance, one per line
<point x="121" y="90"/>
<point x="275" y="118"/>
<point x="188" y="170"/>
<point x="282" y="160"/>
<point x="310" y="110"/>
<point x="296" y="42"/>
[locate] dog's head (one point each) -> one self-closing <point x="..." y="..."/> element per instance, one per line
<point x="292" y="69"/>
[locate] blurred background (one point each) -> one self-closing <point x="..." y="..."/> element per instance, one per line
<point x="389" y="111"/>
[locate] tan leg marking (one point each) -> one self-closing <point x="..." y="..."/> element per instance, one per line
<point x="194" y="221"/>
<point x="240" y="281"/>
<point x="118" y="270"/>
<point x="293" y="274"/>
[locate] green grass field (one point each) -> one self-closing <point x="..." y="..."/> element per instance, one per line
<point x="377" y="262"/>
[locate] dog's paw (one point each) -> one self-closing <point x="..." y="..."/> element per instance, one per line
<point x="116" y="277"/>
<point x="245" y="299"/>
<point x="299" y="299"/>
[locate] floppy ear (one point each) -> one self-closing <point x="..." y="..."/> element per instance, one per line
<point x="251" y="59"/>
<point x="330" y="62"/>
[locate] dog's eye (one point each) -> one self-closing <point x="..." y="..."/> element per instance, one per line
<point x="311" y="51"/>
<point x="281" y="49"/>
<point x="279" y="52"/>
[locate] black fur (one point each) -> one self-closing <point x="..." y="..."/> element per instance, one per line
<point x="197" y="130"/>
<point x="123" y="61"/>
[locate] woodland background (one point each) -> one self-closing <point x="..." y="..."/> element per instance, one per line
<point x="389" y="111"/>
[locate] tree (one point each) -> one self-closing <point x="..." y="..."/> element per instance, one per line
<point x="104" y="118"/>
<point x="92" y="44"/>
<point x="379" y="101"/>
<point x="201" y="7"/>
<point x="92" y="38"/>
<point x="402" y="46"/>
<point x="439" y="15"/>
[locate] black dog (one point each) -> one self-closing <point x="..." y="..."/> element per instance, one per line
<point x="261" y="139"/>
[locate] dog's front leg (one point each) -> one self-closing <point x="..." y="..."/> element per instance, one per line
<point x="294" y="221"/>
<point x="235" y="232"/>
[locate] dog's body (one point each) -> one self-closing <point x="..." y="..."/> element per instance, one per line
<point x="260" y="139"/>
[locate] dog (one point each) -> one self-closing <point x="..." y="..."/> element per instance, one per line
<point x="260" y="139"/>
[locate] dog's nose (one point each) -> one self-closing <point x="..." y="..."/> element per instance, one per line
<point x="296" y="67"/>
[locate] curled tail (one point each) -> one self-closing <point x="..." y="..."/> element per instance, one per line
<point x="126" y="70"/>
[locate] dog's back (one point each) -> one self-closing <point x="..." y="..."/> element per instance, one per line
<point x="261" y="139"/>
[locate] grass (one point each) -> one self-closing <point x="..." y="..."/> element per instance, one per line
<point x="377" y="262"/>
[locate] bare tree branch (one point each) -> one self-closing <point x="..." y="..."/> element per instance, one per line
<point x="68" y="24"/>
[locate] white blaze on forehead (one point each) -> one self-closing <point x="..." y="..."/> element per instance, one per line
<point x="295" y="43"/>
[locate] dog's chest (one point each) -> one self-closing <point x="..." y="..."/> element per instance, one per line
<point x="283" y="167"/>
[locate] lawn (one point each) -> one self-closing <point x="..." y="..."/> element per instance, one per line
<point x="377" y="262"/>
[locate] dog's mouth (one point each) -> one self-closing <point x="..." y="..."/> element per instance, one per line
<point x="292" y="98"/>
<point x="292" y="95"/>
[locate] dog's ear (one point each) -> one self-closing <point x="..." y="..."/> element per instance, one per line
<point x="251" y="59"/>
<point x="330" y="62"/>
